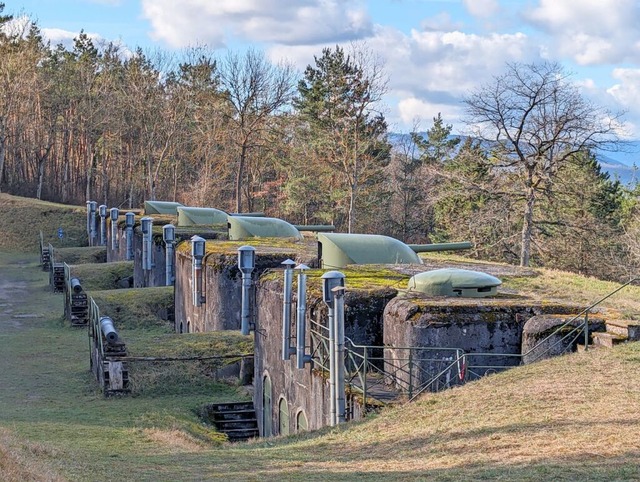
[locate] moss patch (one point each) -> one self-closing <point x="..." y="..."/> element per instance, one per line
<point x="106" y="276"/>
<point x="80" y="255"/>
<point x="137" y="307"/>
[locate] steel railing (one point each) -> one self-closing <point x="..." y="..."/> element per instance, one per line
<point x="372" y="370"/>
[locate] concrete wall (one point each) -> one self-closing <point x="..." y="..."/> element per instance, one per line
<point x="306" y="389"/>
<point x="222" y="288"/>
<point x="156" y="275"/>
<point x="120" y="253"/>
<point x="492" y="325"/>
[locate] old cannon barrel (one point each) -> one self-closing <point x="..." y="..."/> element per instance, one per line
<point x="75" y="285"/>
<point x="108" y="330"/>
<point x="316" y="228"/>
<point x="431" y="248"/>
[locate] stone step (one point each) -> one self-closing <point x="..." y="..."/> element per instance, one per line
<point x="226" y="425"/>
<point x="241" y="434"/>
<point x="234" y="415"/>
<point x="627" y="328"/>
<point x="607" y="339"/>
<point x="231" y="406"/>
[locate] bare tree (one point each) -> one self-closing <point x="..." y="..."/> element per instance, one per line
<point x="536" y="120"/>
<point x="256" y="90"/>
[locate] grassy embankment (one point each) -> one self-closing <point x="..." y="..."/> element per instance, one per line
<point x="571" y="418"/>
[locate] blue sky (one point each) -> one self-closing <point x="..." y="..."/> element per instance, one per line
<point x="435" y="51"/>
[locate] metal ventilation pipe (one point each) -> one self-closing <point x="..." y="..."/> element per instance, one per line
<point x="338" y="300"/>
<point x="93" y="206"/>
<point x="301" y="334"/>
<point x="197" y="255"/>
<point x="113" y="215"/>
<point x="169" y="237"/>
<point x="146" y="225"/>
<point x="103" y="224"/>
<point x="89" y="221"/>
<point x="129" y="220"/>
<point x="108" y="330"/>
<point x="287" y="349"/>
<point x="246" y="264"/>
<point x="331" y="280"/>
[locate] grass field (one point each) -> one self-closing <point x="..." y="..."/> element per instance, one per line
<point x="570" y="418"/>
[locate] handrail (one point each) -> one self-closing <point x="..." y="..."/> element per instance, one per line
<point x="583" y="312"/>
<point x="402" y="371"/>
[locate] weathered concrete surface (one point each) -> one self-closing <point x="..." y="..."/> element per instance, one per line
<point x="545" y="336"/>
<point x="491" y="326"/>
<point x="307" y="389"/>
<point x="222" y="284"/>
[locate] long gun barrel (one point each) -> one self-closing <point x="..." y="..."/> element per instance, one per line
<point x="317" y="228"/>
<point x="431" y="248"/>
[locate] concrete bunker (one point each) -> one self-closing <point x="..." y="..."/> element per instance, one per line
<point x="337" y="250"/>
<point x="455" y="282"/>
<point x="194" y="216"/>
<point x="161" y="207"/>
<point x="247" y="227"/>
<point x="220" y="307"/>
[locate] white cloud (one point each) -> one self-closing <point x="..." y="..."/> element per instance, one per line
<point x="410" y="109"/>
<point x="627" y="91"/>
<point x="482" y="8"/>
<point x="17" y="26"/>
<point x="590" y="32"/>
<point x="190" y="22"/>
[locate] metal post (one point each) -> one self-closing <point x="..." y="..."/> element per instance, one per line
<point x="586" y="331"/>
<point x="92" y="223"/>
<point x="129" y="220"/>
<point x="246" y="263"/>
<point x="287" y="351"/>
<point x="410" y="372"/>
<point x="332" y="367"/>
<point x="89" y="221"/>
<point x="339" y="349"/>
<point x="103" y="224"/>
<point x="113" y="215"/>
<point x="365" y="361"/>
<point x="197" y="255"/>
<point x="169" y="236"/>
<point x="146" y="225"/>
<point x="301" y="335"/>
<point x="331" y="280"/>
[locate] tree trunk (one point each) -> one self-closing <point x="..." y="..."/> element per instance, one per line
<point x="3" y="153"/>
<point x="352" y="210"/>
<point x="527" y="223"/>
<point x="239" y="176"/>
<point x="41" y="160"/>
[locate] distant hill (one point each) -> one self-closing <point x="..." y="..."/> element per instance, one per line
<point x="623" y="165"/>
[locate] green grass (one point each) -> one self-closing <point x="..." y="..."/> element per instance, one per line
<point x="103" y="276"/>
<point x="80" y="255"/>
<point x="570" y="418"/>
<point x="23" y="218"/>
<point x="133" y="308"/>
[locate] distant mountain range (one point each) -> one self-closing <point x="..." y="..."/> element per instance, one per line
<point x="623" y="165"/>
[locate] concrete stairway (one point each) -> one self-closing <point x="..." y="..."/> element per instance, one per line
<point x="617" y="331"/>
<point x="235" y="419"/>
